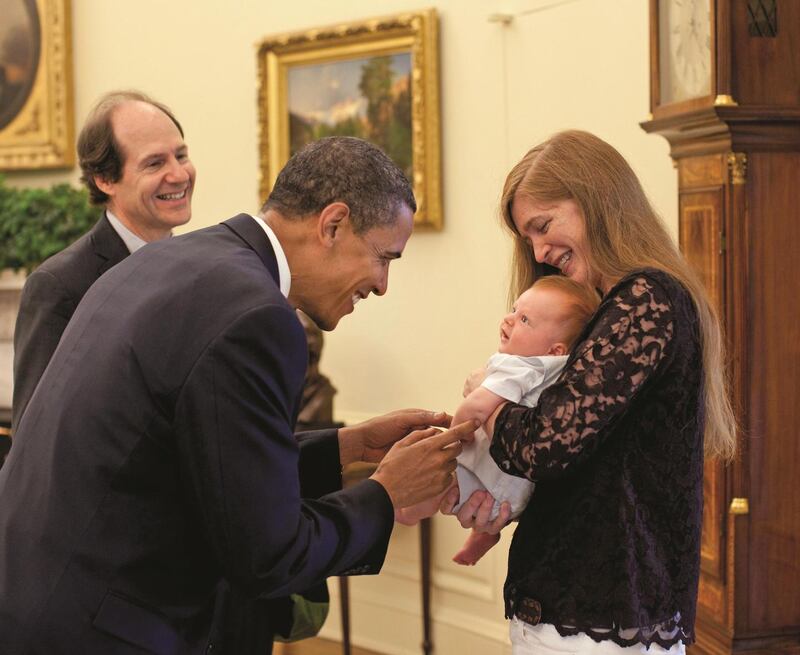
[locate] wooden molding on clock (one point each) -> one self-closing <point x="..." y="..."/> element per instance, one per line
<point x="737" y="164"/>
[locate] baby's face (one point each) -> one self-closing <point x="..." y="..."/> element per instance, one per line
<point x="534" y="326"/>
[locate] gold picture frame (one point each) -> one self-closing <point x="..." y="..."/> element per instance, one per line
<point x="36" y="112"/>
<point x="377" y="78"/>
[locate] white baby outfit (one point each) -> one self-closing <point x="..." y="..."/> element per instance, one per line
<point x="520" y="380"/>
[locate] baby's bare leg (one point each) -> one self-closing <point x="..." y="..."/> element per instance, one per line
<point x="475" y="547"/>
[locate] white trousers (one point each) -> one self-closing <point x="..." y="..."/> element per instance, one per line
<point x="543" y="639"/>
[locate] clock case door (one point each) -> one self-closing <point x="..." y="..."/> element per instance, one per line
<point x="710" y="208"/>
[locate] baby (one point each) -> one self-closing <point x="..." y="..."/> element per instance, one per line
<point x="535" y="338"/>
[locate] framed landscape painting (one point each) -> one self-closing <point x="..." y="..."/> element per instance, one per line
<point x="377" y="80"/>
<point x="36" y="129"/>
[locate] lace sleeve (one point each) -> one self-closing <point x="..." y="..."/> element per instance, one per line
<point x="629" y="340"/>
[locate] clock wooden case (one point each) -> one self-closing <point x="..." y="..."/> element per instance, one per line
<point x="732" y="119"/>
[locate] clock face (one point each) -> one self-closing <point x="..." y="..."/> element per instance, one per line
<point x="684" y="49"/>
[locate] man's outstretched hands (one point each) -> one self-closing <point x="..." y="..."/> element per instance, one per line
<point x="422" y="464"/>
<point x="371" y="440"/>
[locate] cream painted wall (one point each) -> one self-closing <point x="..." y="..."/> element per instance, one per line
<point x="558" y="64"/>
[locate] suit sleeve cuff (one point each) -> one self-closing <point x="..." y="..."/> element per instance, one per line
<point x="319" y="466"/>
<point x="373" y="500"/>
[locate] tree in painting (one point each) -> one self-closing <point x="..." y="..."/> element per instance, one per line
<point x="388" y="110"/>
<point x="376" y="108"/>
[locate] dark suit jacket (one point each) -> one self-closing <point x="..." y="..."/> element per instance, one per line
<point x="51" y="294"/>
<point x="156" y="457"/>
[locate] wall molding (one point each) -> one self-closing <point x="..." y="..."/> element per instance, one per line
<point x="372" y="611"/>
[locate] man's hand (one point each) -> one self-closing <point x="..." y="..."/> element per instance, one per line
<point x="422" y="464"/>
<point x="371" y="440"/>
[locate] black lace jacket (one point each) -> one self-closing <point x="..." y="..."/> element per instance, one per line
<point x="609" y="544"/>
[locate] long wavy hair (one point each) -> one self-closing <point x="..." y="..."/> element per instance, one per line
<point x="623" y="234"/>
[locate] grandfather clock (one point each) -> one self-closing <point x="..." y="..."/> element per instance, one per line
<point x="725" y="93"/>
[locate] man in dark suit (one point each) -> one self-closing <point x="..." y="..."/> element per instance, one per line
<point x="136" y="166"/>
<point x="156" y="456"/>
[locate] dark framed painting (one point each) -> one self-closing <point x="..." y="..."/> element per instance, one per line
<point x="36" y="114"/>
<point x="377" y="80"/>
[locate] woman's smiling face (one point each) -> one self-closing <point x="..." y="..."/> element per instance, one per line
<point x="556" y="232"/>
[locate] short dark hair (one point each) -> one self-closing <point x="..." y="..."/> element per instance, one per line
<point x="99" y="154"/>
<point x="342" y="169"/>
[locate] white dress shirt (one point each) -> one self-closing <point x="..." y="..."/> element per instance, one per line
<point x="284" y="274"/>
<point x="132" y="241"/>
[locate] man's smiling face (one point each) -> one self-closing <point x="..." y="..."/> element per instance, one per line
<point x="154" y="193"/>
<point x="354" y="266"/>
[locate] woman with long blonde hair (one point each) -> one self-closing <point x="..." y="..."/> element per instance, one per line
<point x="606" y="555"/>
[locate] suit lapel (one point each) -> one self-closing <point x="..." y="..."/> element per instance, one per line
<point x="246" y="228"/>
<point x="107" y="244"/>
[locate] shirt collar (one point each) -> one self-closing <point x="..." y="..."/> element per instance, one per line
<point x="283" y="264"/>
<point x="132" y="241"/>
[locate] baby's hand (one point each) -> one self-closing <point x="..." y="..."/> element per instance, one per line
<point x="474" y="380"/>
